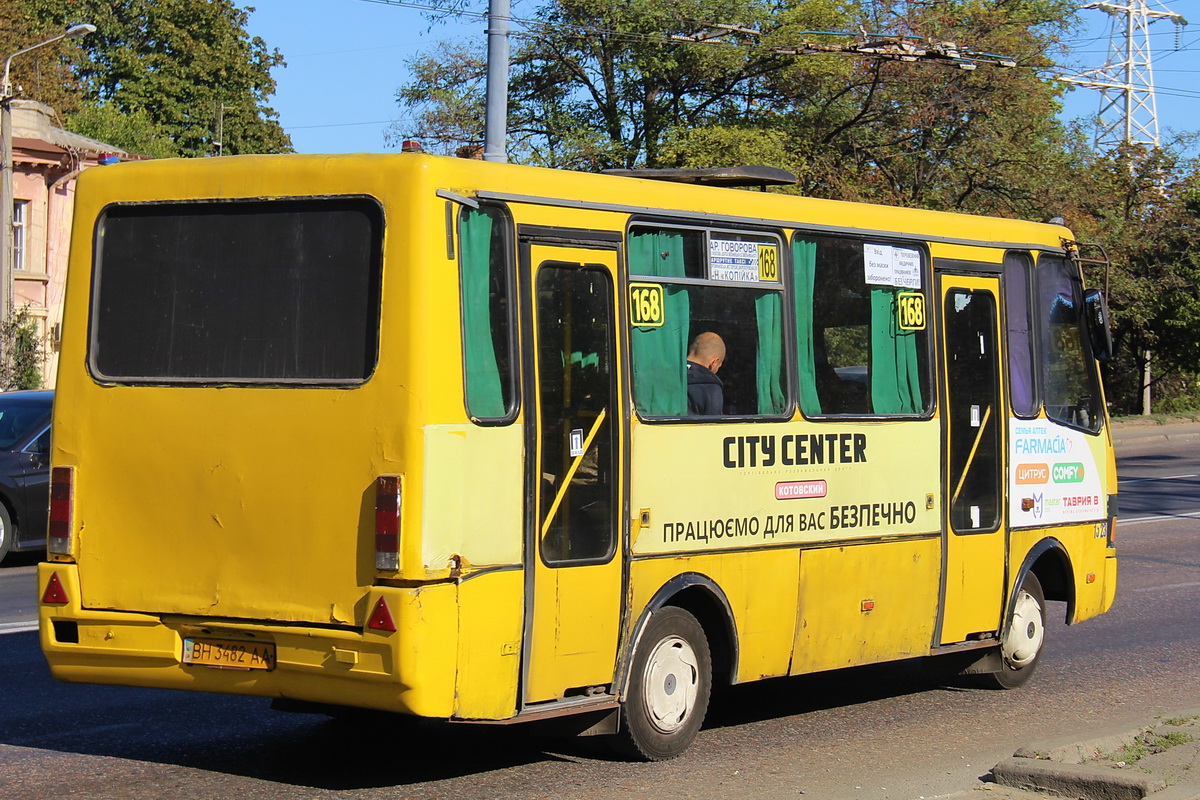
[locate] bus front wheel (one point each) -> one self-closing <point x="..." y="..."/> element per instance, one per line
<point x="1021" y="643"/>
<point x="670" y="683"/>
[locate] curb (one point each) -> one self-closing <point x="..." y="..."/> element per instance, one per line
<point x="1155" y="438"/>
<point x="1056" y="767"/>
<point x="1073" y="750"/>
<point x="1074" y="780"/>
<point x="1133" y="435"/>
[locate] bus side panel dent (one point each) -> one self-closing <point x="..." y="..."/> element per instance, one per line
<point x="409" y="671"/>
<point x="1110" y="583"/>
<point x="760" y="586"/>
<point x="489" y="652"/>
<point x="426" y="660"/>
<point x="472" y="497"/>
<point x="1073" y="563"/>
<point x="862" y="604"/>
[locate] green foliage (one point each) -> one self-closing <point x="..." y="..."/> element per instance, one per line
<point x="175" y="66"/>
<point x="1144" y="205"/>
<point x="132" y="131"/>
<point x="1148" y="744"/>
<point x="931" y="136"/>
<point x="43" y="74"/>
<point x="20" y="352"/>
<point x="598" y="84"/>
<point x="447" y="90"/>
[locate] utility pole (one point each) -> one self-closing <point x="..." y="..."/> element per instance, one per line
<point x="219" y="139"/>
<point x="495" y="130"/>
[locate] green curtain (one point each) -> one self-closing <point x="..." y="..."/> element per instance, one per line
<point x="804" y="272"/>
<point x="485" y="396"/>
<point x="660" y="353"/>
<point x="769" y="359"/>
<point x="895" y="380"/>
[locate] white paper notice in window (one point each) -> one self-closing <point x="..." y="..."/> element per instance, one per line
<point x="732" y="261"/>
<point x="885" y="265"/>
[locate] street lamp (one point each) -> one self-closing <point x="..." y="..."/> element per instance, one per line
<point x="6" y="166"/>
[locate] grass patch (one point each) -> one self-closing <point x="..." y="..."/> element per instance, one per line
<point x="1177" y="721"/>
<point x="1149" y="744"/>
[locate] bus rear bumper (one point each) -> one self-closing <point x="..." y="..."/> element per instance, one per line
<point x="319" y="664"/>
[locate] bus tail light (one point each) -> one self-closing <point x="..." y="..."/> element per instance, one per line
<point x="62" y="511"/>
<point x="387" y="523"/>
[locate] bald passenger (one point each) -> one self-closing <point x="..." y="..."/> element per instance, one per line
<point x="706" y="393"/>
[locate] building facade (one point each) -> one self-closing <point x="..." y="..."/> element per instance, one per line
<point x="46" y="162"/>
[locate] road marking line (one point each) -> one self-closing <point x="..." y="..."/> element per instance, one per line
<point x="1165" y="478"/>
<point x="1168" y="586"/>
<point x="18" y="627"/>
<point x="1157" y="518"/>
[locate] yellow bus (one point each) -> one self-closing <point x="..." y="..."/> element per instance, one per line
<point x="416" y="434"/>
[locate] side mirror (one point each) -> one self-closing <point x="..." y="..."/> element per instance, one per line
<point x="1096" y="319"/>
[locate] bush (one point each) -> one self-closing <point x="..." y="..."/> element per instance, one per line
<point x="20" y="352"/>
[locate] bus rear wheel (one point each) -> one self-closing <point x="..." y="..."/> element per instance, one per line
<point x="1023" y="638"/>
<point x="669" y="687"/>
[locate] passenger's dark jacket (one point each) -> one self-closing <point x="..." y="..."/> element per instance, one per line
<point x="706" y="393"/>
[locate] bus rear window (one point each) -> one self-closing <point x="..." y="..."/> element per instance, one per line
<point x="258" y="292"/>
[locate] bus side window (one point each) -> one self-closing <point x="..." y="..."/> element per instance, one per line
<point x="861" y="337"/>
<point x="1021" y="379"/>
<point x="1068" y="375"/>
<point x="486" y="313"/>
<point x="674" y="298"/>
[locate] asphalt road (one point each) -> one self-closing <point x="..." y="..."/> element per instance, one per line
<point x="889" y="732"/>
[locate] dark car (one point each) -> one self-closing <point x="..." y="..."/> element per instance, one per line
<point x="24" y="469"/>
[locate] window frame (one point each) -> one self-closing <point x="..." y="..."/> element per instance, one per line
<point x="374" y="294"/>
<point x="20" y="236"/>
<point x="780" y="287"/>
<point x="1042" y="323"/>
<point x="1028" y="266"/>
<point x="932" y="317"/>
<point x="503" y="222"/>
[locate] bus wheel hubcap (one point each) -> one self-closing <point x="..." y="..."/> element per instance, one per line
<point x="1024" y="637"/>
<point x="672" y="683"/>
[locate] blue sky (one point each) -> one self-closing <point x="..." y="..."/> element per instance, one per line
<point x="346" y="61"/>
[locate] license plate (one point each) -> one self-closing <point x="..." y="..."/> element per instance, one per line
<point x="229" y="653"/>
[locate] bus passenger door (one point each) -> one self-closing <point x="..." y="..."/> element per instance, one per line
<point x="974" y="433"/>
<point x="572" y="554"/>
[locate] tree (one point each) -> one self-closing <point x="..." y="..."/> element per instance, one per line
<point x="600" y="85"/>
<point x="447" y="95"/>
<point x="931" y="136"/>
<point x="43" y="74"/>
<point x="597" y="84"/>
<point x="1144" y="206"/>
<point x="133" y="131"/>
<point x="176" y="67"/>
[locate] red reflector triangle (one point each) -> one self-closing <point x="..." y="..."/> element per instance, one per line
<point x="54" y="591"/>
<point x="381" y="617"/>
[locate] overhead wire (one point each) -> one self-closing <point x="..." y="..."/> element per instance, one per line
<point x="535" y="28"/>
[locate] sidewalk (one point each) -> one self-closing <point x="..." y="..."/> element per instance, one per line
<point x="1156" y="760"/>
<point x="1139" y="432"/>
